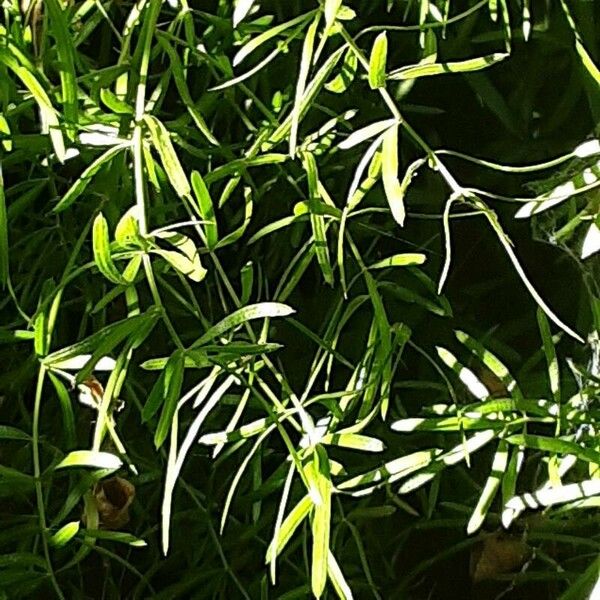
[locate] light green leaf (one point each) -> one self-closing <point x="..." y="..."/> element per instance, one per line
<point x="549" y="497"/>
<point x="399" y="260"/>
<point x="236" y="234"/>
<point x="499" y="465"/>
<point x="305" y="61"/>
<point x="90" y="458"/>
<point x="354" y="441"/>
<point x="66" y="55"/>
<point x="469" y="379"/>
<point x="550" y="354"/>
<point x="340" y="83"/>
<point x="463" y="66"/>
<point x="50" y="123"/>
<point x="591" y="242"/>
<point x="321" y="522"/>
<point x="184" y="92"/>
<point x="582" y="181"/>
<point x="5" y="134"/>
<point x="127" y="231"/>
<point x="162" y="142"/>
<point x="457" y="454"/>
<point x="251" y="312"/>
<point x="331" y="10"/>
<point x="102" y="255"/>
<point x="206" y="207"/>
<point x="240" y="10"/>
<point x="65" y="534"/>
<point x="392" y="470"/>
<point x="186" y="259"/>
<point x="586" y="59"/>
<point x="556" y="445"/>
<point x="312" y="89"/>
<point x="377" y="62"/>
<point x="389" y="170"/>
<point x="270" y="33"/>
<point x="317" y="220"/>
<point x="365" y="133"/>
<point x="337" y="578"/>
<point x="288" y="527"/>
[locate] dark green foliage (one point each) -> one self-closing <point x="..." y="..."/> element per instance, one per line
<point x="319" y="279"/>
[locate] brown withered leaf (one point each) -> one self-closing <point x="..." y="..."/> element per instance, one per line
<point x="497" y="554"/>
<point x="113" y="498"/>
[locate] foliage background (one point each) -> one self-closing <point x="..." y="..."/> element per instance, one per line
<point x="129" y="89"/>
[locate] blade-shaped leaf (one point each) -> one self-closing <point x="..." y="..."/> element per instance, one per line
<point x="389" y="170"/>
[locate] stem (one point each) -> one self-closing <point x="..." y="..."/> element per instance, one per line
<point x="138" y="167"/>
<point x="35" y="434"/>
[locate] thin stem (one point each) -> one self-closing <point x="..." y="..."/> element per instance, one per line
<point x="39" y="493"/>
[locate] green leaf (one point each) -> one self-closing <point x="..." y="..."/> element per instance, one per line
<point x="468" y="378"/>
<point x="288" y="527"/>
<point x="340" y="83"/>
<point x="127" y="231"/>
<point x="462" y="66"/>
<point x="5" y="134"/>
<point x="556" y="445"/>
<point x="399" y="260"/>
<point x="236" y="234"/>
<point x="317" y="220"/>
<point x="549" y="496"/>
<point x="583" y="180"/>
<point x="321" y="521"/>
<point x="84" y="179"/>
<point x="102" y="255"/>
<point x="377" y="61"/>
<point x="262" y="310"/>
<point x="457" y="454"/>
<point x="499" y="466"/>
<point x="65" y="534"/>
<point x="90" y="458"/>
<point x="173" y="381"/>
<point x="102" y="342"/>
<point x="115" y="536"/>
<point x="206" y="207"/>
<point x="270" y="33"/>
<point x="365" y="133"/>
<point x="162" y="142"/>
<point x="389" y="169"/>
<point x="494" y="364"/>
<point x="186" y="259"/>
<point x="305" y="61"/>
<point x="337" y="578"/>
<point x="192" y="359"/>
<point x="50" y="123"/>
<point x="591" y="241"/>
<point x="184" y="92"/>
<point x="550" y="353"/>
<point x="331" y="9"/>
<point x="13" y="433"/>
<point x="586" y="59"/>
<point x="240" y="10"/>
<point x="3" y="234"/>
<point x="66" y="55"/>
<point x="354" y="441"/>
<point x="312" y="89"/>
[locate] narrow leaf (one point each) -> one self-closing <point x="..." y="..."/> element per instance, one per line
<point x="393" y="190"/>
<point x="377" y="61"/>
